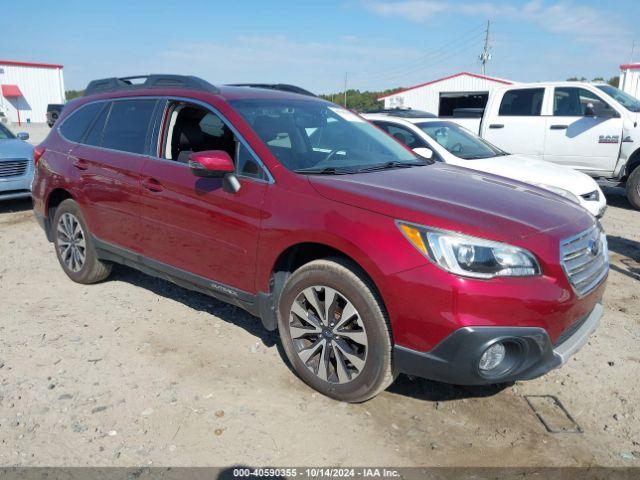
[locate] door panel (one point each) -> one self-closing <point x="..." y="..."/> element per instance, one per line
<point x="516" y="126"/>
<point x="191" y="223"/>
<point x="580" y="140"/>
<point x="110" y="184"/>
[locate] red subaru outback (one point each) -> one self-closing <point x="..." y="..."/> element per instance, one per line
<point x="367" y="259"/>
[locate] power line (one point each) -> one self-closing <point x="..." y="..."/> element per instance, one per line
<point x="469" y="36"/>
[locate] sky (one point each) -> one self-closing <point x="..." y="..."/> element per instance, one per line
<point x="313" y="44"/>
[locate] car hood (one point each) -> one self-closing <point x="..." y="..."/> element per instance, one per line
<point x="531" y="170"/>
<point x="455" y="198"/>
<point x="14" y="148"/>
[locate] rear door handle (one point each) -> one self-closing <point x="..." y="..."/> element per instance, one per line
<point x="496" y="125"/>
<point x="152" y="185"/>
<point x="81" y="164"/>
<point x="559" y="127"/>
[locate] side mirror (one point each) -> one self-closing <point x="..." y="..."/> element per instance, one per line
<point x="211" y="164"/>
<point x="424" y="152"/>
<point x="23" y="136"/>
<point x="599" y="110"/>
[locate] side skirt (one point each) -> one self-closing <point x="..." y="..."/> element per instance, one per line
<point x="256" y="305"/>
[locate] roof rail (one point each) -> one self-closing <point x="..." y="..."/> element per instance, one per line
<point x="285" y="87"/>
<point x="148" y="81"/>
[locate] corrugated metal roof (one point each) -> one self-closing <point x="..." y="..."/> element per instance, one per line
<point x="29" y="64"/>
<point x="11" y="91"/>
<point x="469" y="74"/>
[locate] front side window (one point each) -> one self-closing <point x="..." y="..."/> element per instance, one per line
<point x="627" y="101"/>
<point x="523" y="102"/>
<point x="459" y="141"/>
<point x="128" y="125"/>
<point x="573" y="102"/>
<point x="5" y="133"/>
<point x="310" y="136"/>
<point x="191" y="128"/>
<point x="402" y="134"/>
<point x="75" y="126"/>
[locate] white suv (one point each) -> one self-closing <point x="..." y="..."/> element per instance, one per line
<point x="449" y="142"/>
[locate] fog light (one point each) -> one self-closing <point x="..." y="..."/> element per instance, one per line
<point x="492" y="357"/>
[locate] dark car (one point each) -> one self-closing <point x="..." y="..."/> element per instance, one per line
<point x="53" y="112"/>
<point x="368" y="259"/>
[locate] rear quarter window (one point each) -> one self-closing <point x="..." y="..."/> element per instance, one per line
<point x="75" y="126"/>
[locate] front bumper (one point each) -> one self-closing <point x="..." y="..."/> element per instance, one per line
<point x="455" y="359"/>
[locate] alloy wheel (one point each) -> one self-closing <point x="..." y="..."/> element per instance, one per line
<point x="328" y="334"/>
<point x="71" y="242"/>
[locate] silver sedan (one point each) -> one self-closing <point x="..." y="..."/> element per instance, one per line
<point x="16" y="164"/>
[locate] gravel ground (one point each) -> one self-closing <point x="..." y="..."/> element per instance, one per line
<point x="137" y="371"/>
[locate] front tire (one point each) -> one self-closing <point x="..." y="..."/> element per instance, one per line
<point x="74" y="245"/>
<point x="335" y="331"/>
<point x="633" y="188"/>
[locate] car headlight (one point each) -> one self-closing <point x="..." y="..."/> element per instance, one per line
<point x="560" y="191"/>
<point x="470" y="256"/>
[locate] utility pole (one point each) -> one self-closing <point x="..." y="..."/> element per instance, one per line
<point x="485" y="56"/>
<point x="633" y="48"/>
<point x="345" y="89"/>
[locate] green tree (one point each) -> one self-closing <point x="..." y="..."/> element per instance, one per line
<point x="360" y="101"/>
<point x="71" y="94"/>
<point x="614" y="81"/>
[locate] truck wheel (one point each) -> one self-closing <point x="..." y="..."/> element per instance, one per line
<point x="335" y="332"/>
<point x="633" y="188"/>
<point x="74" y="246"/>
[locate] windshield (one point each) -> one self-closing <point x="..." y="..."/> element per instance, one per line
<point x="627" y="101"/>
<point x="309" y="136"/>
<point x="5" y="133"/>
<point x="459" y="141"/>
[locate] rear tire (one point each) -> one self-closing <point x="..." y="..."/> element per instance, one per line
<point x="633" y="188"/>
<point x="74" y="245"/>
<point x="342" y="349"/>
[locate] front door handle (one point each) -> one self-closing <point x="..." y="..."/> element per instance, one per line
<point x="496" y="125"/>
<point x="559" y="127"/>
<point x="81" y="164"/>
<point x="152" y="185"/>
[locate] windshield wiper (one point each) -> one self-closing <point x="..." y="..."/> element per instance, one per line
<point x="392" y="164"/>
<point x="324" y="171"/>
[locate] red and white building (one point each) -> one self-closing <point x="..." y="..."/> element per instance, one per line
<point x="27" y="88"/>
<point x="630" y="79"/>
<point x="442" y="96"/>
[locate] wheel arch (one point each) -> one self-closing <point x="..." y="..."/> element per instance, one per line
<point x="632" y="163"/>
<point x="55" y="198"/>
<point x="294" y="257"/>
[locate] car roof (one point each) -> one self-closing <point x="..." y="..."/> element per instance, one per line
<point x="387" y="117"/>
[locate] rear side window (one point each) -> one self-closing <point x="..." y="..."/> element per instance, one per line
<point x="525" y="102"/>
<point x="94" y="135"/>
<point x="75" y="126"/>
<point x="128" y="125"/>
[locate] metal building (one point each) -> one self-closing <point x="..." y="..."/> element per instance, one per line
<point x="630" y="79"/>
<point x="444" y="96"/>
<point x="27" y="88"/>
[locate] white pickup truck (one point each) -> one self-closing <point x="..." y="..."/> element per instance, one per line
<point x="589" y="127"/>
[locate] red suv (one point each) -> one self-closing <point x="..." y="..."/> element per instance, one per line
<point x="369" y="260"/>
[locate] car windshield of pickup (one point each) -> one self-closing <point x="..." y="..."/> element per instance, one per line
<point x="313" y="137"/>
<point x="459" y="141"/>
<point x="5" y="133"/>
<point x="627" y="101"/>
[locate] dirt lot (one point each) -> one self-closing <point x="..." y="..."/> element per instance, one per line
<point x="136" y="371"/>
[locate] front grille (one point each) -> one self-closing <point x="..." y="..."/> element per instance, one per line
<point x="13" y="168"/>
<point x="585" y="259"/>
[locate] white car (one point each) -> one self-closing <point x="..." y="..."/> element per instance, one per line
<point x="451" y="143"/>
